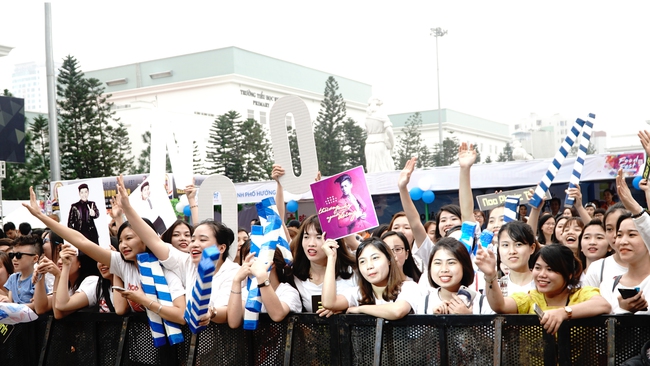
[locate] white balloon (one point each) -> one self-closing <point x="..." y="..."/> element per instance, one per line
<point x="180" y="206"/>
<point x="425" y="183"/>
<point x="184" y="200"/>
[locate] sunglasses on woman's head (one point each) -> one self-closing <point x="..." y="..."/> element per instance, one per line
<point x="19" y="255"/>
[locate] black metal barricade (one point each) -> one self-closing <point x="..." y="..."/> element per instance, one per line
<point x="307" y="339"/>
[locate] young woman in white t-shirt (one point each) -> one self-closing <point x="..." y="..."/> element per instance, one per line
<point x="278" y="296"/>
<point x="516" y="247"/>
<point x="123" y="264"/>
<point x="185" y="264"/>
<point x="382" y="290"/>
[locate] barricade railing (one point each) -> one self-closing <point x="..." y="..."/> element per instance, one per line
<point x="307" y="339"/>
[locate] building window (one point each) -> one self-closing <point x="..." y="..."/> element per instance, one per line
<point x="263" y="118"/>
<point x="251" y="114"/>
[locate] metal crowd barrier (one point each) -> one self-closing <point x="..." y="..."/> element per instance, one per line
<point x="306" y="339"/>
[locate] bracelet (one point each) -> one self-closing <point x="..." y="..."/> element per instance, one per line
<point x="235" y="292"/>
<point x="159" y="308"/>
<point x="214" y="314"/>
<point x="54" y="292"/>
<point x="489" y="281"/>
<point x="194" y="206"/>
<point x="149" y="306"/>
<point x="636" y="216"/>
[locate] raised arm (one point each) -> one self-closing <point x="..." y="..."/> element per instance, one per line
<point x="625" y="195"/>
<point x="276" y="309"/>
<point x="148" y="235"/>
<point x="276" y="173"/>
<point x="190" y="191"/>
<point x="466" y="158"/>
<point x="116" y="211"/>
<point x="74" y="237"/>
<point x="576" y="194"/>
<point x="487" y="263"/>
<point x="42" y="302"/>
<point x="64" y="304"/>
<point x="329" y="298"/>
<point x="235" y="301"/>
<point x="412" y="214"/>
<point x="533" y="218"/>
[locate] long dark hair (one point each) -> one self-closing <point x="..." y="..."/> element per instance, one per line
<point x="87" y="267"/>
<point x="127" y="224"/>
<point x="410" y="269"/>
<point x="559" y="217"/>
<point x="541" y="238"/>
<point x="169" y="233"/>
<point x="459" y="251"/>
<point x="395" y="276"/>
<point x="345" y="263"/>
<point x="452" y="209"/>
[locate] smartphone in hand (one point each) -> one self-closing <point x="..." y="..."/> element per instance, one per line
<point x="538" y="311"/>
<point x="626" y="293"/>
<point x="118" y="288"/>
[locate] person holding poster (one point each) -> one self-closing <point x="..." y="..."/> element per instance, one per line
<point x="83" y="214"/>
<point x="350" y="208"/>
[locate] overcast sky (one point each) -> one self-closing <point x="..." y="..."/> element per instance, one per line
<point x="501" y="60"/>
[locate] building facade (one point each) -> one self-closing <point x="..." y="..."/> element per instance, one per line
<point x="29" y="81"/>
<point x="190" y="91"/>
<point x="488" y="136"/>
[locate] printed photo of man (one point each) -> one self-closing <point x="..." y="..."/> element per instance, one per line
<point x="83" y="214"/>
<point x="351" y="209"/>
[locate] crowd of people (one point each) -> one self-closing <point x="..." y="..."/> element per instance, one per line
<point x="563" y="264"/>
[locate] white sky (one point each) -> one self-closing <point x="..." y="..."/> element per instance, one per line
<point x="501" y="60"/>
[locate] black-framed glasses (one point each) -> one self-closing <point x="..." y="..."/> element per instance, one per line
<point x="19" y="255"/>
<point x="398" y="250"/>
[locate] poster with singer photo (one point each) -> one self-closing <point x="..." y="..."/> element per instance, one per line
<point x="344" y="204"/>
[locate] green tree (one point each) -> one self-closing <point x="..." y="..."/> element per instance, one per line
<point x="409" y="144"/>
<point x="197" y="161"/>
<point x="488" y="160"/>
<point x="223" y="147"/>
<point x="506" y="154"/>
<point x="93" y="142"/>
<point x="448" y="153"/>
<point x="354" y="144"/>
<point x="144" y="160"/>
<point x="295" y="152"/>
<point x="328" y="130"/>
<point x="478" y="153"/>
<point x="255" y="149"/>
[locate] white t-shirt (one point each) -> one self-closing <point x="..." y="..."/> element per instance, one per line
<point x="92" y="298"/>
<point x="410" y="292"/>
<point x="609" y="268"/>
<point x="180" y="263"/>
<point x="434" y="301"/>
<point x="129" y="273"/>
<point x="88" y="287"/>
<point x="308" y="290"/>
<point x="612" y="296"/>
<point x="513" y="287"/>
<point x="423" y="253"/>
<point x="285" y="292"/>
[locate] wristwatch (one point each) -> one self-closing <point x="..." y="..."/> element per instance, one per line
<point x="264" y="284"/>
<point x="569" y="311"/>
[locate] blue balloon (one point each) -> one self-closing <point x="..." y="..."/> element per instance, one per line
<point x="636" y="182"/>
<point x="187" y="211"/>
<point x="428" y="196"/>
<point x="415" y="193"/>
<point x="292" y="206"/>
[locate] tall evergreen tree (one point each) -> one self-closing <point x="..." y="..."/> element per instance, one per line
<point x="223" y="147"/>
<point x="506" y="154"/>
<point x="38" y="151"/>
<point x="144" y="160"/>
<point x="90" y="135"/>
<point x="255" y="150"/>
<point x="409" y="144"/>
<point x="328" y="130"/>
<point x="197" y="161"/>
<point x="448" y="153"/>
<point x="354" y="144"/>
<point x="295" y="152"/>
<point x="478" y="153"/>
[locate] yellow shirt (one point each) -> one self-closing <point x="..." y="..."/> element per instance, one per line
<point x="525" y="301"/>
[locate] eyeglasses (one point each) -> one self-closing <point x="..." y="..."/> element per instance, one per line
<point x="398" y="250"/>
<point x="19" y="255"/>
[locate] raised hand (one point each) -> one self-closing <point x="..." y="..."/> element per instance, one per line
<point x="245" y="269"/>
<point x="329" y="247"/>
<point x="33" y="207"/>
<point x="278" y="172"/>
<point x="466" y="155"/>
<point x="486" y="261"/>
<point x="66" y="254"/>
<point x="190" y="190"/>
<point x="405" y="175"/>
<point x="644" y="137"/>
<point x="122" y="195"/>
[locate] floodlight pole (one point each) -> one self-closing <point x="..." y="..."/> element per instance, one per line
<point x="55" y="164"/>
<point x="439" y="32"/>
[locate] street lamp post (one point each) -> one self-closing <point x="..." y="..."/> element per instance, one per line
<point x="439" y="32"/>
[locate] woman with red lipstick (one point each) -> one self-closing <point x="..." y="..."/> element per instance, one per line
<point x="179" y="235"/>
<point x="123" y="264"/>
<point x="558" y="293"/>
<point x="310" y="262"/>
<point x="382" y="290"/>
<point x="593" y="244"/>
